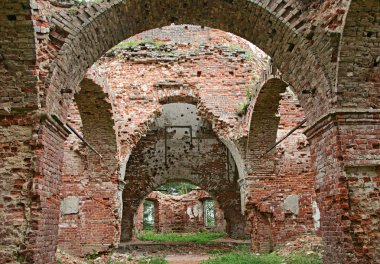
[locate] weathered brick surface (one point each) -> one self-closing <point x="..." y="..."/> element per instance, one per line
<point x="344" y="156"/>
<point x="361" y="37"/>
<point x="306" y="45"/>
<point x="272" y="184"/>
<point x="17" y="58"/>
<point x="184" y="213"/>
<point x="90" y="179"/>
<point x="205" y="162"/>
<point x="215" y="69"/>
<point x="16" y="173"/>
<point x="292" y="38"/>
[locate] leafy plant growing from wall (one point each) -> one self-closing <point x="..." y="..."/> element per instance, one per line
<point x="134" y="43"/>
<point x="243" y="106"/>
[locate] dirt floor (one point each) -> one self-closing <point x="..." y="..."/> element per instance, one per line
<point x="182" y="253"/>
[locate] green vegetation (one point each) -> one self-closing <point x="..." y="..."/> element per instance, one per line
<point x="241" y="248"/>
<point x="148" y="215"/>
<point x="243" y="106"/>
<point x="153" y="260"/>
<point x="302" y="258"/>
<point x="92" y="255"/>
<point x="244" y="257"/>
<point x="177" y="188"/>
<point x="198" y="238"/>
<point x="133" y="43"/>
<point x="248" y="53"/>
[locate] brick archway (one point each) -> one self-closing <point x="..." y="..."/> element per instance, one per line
<point x="275" y="32"/>
<point x="199" y="195"/>
<point x="206" y="163"/>
<point x="263" y="127"/>
<point x="270" y="170"/>
<point x="88" y="191"/>
<point x="345" y="144"/>
<point x="306" y="56"/>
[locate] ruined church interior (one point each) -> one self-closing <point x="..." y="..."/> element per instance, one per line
<point x="192" y="131"/>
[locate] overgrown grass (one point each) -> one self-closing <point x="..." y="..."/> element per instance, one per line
<point x="240" y="248"/>
<point x="250" y="258"/>
<point x="199" y="238"/>
<point x="133" y="43"/>
<point x="302" y="258"/>
<point x="245" y="258"/>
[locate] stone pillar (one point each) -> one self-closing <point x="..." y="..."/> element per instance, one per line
<point x="345" y="148"/>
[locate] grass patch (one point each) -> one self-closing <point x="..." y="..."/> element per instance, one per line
<point x="302" y="258"/>
<point x="240" y="248"/>
<point x="133" y="43"/>
<point x="198" y="238"/>
<point x="244" y="257"/>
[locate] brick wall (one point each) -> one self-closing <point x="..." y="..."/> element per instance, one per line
<point x="277" y="203"/>
<point x="89" y="215"/>
<point x="143" y="80"/>
<point x="183" y="213"/>
<point x="47" y="50"/>
<point x="180" y="154"/>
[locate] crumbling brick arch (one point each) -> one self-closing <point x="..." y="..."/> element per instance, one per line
<point x="359" y="35"/>
<point x="263" y="127"/>
<point x="225" y="197"/>
<point x="351" y="125"/>
<point x="89" y="179"/>
<point x="267" y="172"/>
<point x="111" y="23"/>
<point x="205" y="164"/>
<point x="159" y="184"/>
<point x="97" y="119"/>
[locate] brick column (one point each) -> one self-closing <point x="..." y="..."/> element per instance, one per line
<point x="31" y="162"/>
<point x="345" y="149"/>
<point x="259" y="212"/>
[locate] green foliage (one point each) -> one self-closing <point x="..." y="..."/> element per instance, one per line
<point x="111" y="261"/>
<point x="148" y="215"/>
<point x="249" y="55"/>
<point x="240" y="248"/>
<point x="72" y="11"/>
<point x="248" y="93"/>
<point x="177" y="188"/>
<point x="92" y="255"/>
<point x="198" y="238"/>
<point x="244" y="257"/>
<point x="153" y="260"/>
<point x="302" y="258"/>
<point x="242" y="108"/>
<point x="209" y="212"/>
<point x="133" y="43"/>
